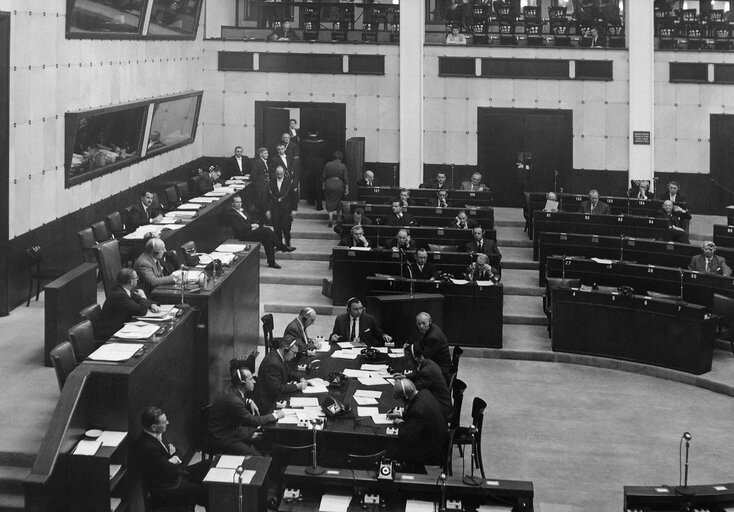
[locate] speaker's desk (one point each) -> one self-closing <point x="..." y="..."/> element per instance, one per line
<point x="224" y="496"/>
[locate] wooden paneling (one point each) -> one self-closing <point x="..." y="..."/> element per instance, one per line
<point x="688" y="72"/>
<point x="525" y="68"/>
<point x="594" y="70"/>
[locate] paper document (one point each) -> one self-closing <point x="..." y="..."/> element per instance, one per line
<point x="365" y="400"/>
<point x="167" y="220"/>
<point x="602" y="261"/>
<point x="368" y="393"/>
<point x="111" y="437"/>
<point x="115" y="351"/>
<point x="372" y="381"/>
<point x="166" y="312"/>
<point x="288" y="420"/>
<point x="219" y="192"/>
<point x="227" y="475"/>
<point x="230" y="461"/>
<point x="345" y="354"/>
<point x="368" y="411"/>
<point x="382" y="420"/>
<point x="317" y="381"/>
<point x="190" y="206"/>
<point x="459" y="281"/>
<point x="419" y="506"/>
<point x="335" y="502"/>
<point x="494" y="508"/>
<point x="86" y="447"/>
<point x="114" y="468"/>
<point x="303" y="401"/>
<point x="485" y="283"/>
<point x="172" y="227"/>
<point x="374" y="367"/>
<point x="136" y="331"/>
<point x="203" y="200"/>
<point x="230" y="248"/>
<point x="225" y="257"/>
<point x="350" y="372"/>
<point x="345" y="344"/>
<point x="312" y="390"/>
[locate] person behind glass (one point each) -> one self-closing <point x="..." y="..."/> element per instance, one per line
<point x="455" y="36"/>
<point x="124" y="302"/>
<point x="164" y="476"/>
<point x="640" y="189"/>
<point x="356" y="218"/>
<point x="399" y="216"/>
<point x="676" y="229"/>
<point x="367" y="179"/>
<point x="708" y="263"/>
<point x="427" y="375"/>
<point x="592" y="39"/>
<point x="334" y="184"/>
<point x="274" y="378"/>
<point x="474" y="184"/>
<point x="154" y="141"/>
<point x="401" y="242"/>
<point x="313" y="151"/>
<point x="481" y="270"/>
<point x="149" y="268"/>
<point x="143" y="213"/>
<point x="283" y="199"/>
<point x="284" y="32"/>
<point x="234" y="416"/>
<point x="551" y="202"/>
<point x="358" y="325"/>
<point x="433" y="342"/>
<point x="462" y="221"/>
<point x="459" y="12"/>
<point x="245" y="228"/>
<point x="422" y="269"/>
<point x="484" y="245"/>
<point x="238" y="163"/>
<point x="594" y="206"/>
<point x="356" y="238"/>
<point x="208" y="180"/>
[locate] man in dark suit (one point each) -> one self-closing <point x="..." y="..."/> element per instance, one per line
<point x="480" y="270"/>
<point x="124" y="302"/>
<point x="484" y="245"/>
<point x="427" y="375"/>
<point x="421" y="268"/>
<point x="260" y="177"/>
<point x="143" y="213"/>
<point x="358" y="218"/>
<point x="234" y="416"/>
<point x="676" y="230"/>
<point x="356" y="239"/>
<point x="673" y="193"/>
<point x="593" y="206"/>
<point x="405" y="199"/>
<point x="434" y="344"/>
<point x="290" y="147"/>
<point x="708" y="262"/>
<point x="208" y="180"/>
<point x="462" y="221"/>
<point x="149" y="268"/>
<point x="422" y="428"/>
<point x="274" y="380"/>
<point x="238" y="164"/>
<point x="281" y="159"/>
<point x="162" y="472"/>
<point x="295" y="133"/>
<point x="356" y="325"/>
<point x="245" y="229"/>
<point x="283" y="200"/>
<point x="367" y="180"/>
<point x="399" y="216"/>
<point x="441" y="200"/>
<point x="401" y="241"/>
<point x="439" y="182"/>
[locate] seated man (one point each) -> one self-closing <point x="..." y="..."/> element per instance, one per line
<point x="427" y="375"/>
<point x="206" y="181"/>
<point x="143" y="213"/>
<point x="125" y="301"/>
<point x="356" y="325"/>
<point x="594" y="206"/>
<point x="149" y="268"/>
<point x="169" y="260"/>
<point x="474" y="184"/>
<point x="640" y="190"/>
<point x="245" y="229"/>
<point x="162" y="473"/>
<point x="234" y="416"/>
<point x="551" y="202"/>
<point x="442" y="199"/>
<point x="355" y="239"/>
<point x="433" y="342"/>
<point x="405" y="199"/>
<point x="284" y="32"/>
<point x="421" y="268"/>
<point x="402" y="242"/>
<point x="439" y="182"/>
<point x="676" y="231"/>
<point x="480" y="270"/>
<point x="274" y="379"/>
<point x="462" y="221"/>
<point x="455" y="36"/>
<point x="367" y="180"/>
<point x="358" y="218"/>
<point x="422" y="429"/>
<point x="708" y="262"/>
<point x="673" y="193"/>
<point x="296" y="330"/>
<point x="399" y="216"/>
<point x="484" y="245"/>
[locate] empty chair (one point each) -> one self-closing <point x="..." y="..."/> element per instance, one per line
<point x="87" y="243"/>
<point x="172" y="197"/>
<point x="268" y="326"/>
<point x="101" y="234"/>
<point x="367" y="462"/>
<point x="91" y="313"/>
<point x="108" y="259"/>
<point x="81" y="337"/>
<point x="63" y="360"/>
<point x="723" y="307"/>
<point x="184" y="192"/>
<point x="115" y="225"/>
<point x="36" y="271"/>
<point x="463" y="435"/>
<point x="455" y="357"/>
<point x="457" y="395"/>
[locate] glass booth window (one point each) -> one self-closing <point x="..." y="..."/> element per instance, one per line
<point x="174" y="123"/>
<point x="174" y="17"/>
<point x="106" y="16"/>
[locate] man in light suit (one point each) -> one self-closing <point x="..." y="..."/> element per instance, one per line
<point x="474" y="184"/>
<point x="593" y="206"/>
<point x="297" y="330"/>
<point x="708" y="262"/>
<point x="149" y="267"/>
<point x="356" y="325"/>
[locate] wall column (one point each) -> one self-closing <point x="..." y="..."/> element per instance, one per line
<point x="412" y="36"/>
<point x="639" y="25"/>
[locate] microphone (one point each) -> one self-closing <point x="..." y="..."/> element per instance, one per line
<point x="442" y="504"/>
<point x="239" y="472"/>
<point x="184" y="278"/>
<point x="686" y="435"/>
<point x="684" y="490"/>
<point x="314" y="468"/>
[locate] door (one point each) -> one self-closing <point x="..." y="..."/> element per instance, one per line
<point x="274" y="125"/>
<point x="722" y="156"/>
<point x="541" y="139"/>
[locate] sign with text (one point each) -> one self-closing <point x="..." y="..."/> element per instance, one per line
<point x="642" y="138"/>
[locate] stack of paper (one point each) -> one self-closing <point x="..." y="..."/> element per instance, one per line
<point x="136" y="331"/>
<point x="115" y="351"/>
<point x="203" y="200"/>
<point x="190" y="206"/>
<point x="166" y="312"/>
<point x="139" y="233"/>
<point x="419" y="506"/>
<point x="346" y="354"/>
<point x="228" y="475"/>
<point x="335" y="502"/>
<point x="111" y="437"/>
<point x="314" y="389"/>
<point x="183" y="214"/>
<point x="302" y="401"/>
<point x="171" y="227"/>
<point x="372" y="381"/>
<point x="225" y="257"/>
<point x="219" y="191"/>
<point x="230" y="248"/>
<point x="87" y="447"/>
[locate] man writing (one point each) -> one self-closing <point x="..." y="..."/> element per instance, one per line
<point x="275" y="381"/>
<point x="149" y="268"/>
<point x="356" y="325"/>
<point x="124" y="302"/>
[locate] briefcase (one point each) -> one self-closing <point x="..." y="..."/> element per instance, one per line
<point x="326" y="287"/>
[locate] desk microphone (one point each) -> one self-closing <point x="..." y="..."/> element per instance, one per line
<point x="314" y="468"/>
<point x="442" y="504"/>
<point x="239" y="472"/>
<point x="184" y="278"/>
<point x="684" y="490"/>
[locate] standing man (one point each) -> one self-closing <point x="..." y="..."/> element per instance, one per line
<point x="274" y="380"/>
<point x="239" y="164"/>
<point x="434" y="344"/>
<point x="283" y="199"/>
<point x="484" y="245"/>
<point x="708" y="262"/>
<point x="313" y="151"/>
<point x="294" y="132"/>
<point x="125" y="301"/>
<point x="594" y="206"/>
<point x="281" y="159"/>
<point x="356" y="325"/>
<point x="143" y="213"/>
<point x="149" y="268"/>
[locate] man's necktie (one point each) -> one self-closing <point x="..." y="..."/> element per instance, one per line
<point x="708" y="264"/>
<point x="352" y="336"/>
<point x="479" y="245"/>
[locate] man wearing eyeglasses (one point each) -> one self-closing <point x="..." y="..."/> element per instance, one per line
<point x="274" y="379"/>
<point x="124" y="302"/>
<point x="149" y="267"/>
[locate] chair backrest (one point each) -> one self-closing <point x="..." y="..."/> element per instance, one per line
<point x="477" y="415"/>
<point x="92" y="313"/>
<point x="457" y="394"/>
<point x="268" y="326"/>
<point x="108" y="259"/>
<point x="557" y="283"/>
<point x="115" y="224"/>
<point x="156" y="204"/>
<point x="366" y="462"/>
<point x="87" y="243"/>
<point x="723" y="306"/>
<point x="62" y="357"/>
<point x="101" y="234"/>
<point x="455" y="357"/>
<point x="172" y="195"/>
<point x="183" y="190"/>
<point x="292" y="455"/>
<point x="81" y="337"/>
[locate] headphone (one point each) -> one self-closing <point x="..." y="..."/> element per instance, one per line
<point x="306" y="312"/>
<point x="351" y="301"/>
<point x="402" y="386"/>
<point x="238" y="376"/>
<point x="290" y="347"/>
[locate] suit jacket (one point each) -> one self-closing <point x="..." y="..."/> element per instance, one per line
<point x="137" y="217"/>
<point x="234" y="169"/>
<point x="347" y="241"/>
<point x="118" y="309"/>
<point x="474" y="273"/>
<point x="241" y="226"/>
<point x="602" y="208"/>
<point x="406" y="220"/>
<point x="393" y="242"/>
<point x="286" y="199"/>
<point x="434" y="201"/>
<point x="259" y="170"/>
<point x="276" y="160"/>
<point x="272" y="381"/>
<point x="470" y="224"/>
<point x="204" y="184"/>
<point x="369" y="331"/>
<point x="231" y="421"/>
<point x="436" y="347"/>
<point x="349" y="220"/>
<point x="424" y="430"/>
<point x="294" y="331"/>
<point x="151" y="273"/>
<point x="295" y="136"/>
<point x="489" y="247"/>
<point x="361" y="182"/>
<point x="466" y="185"/>
<point x="428" y="376"/>
<point x="679" y="198"/>
<point x="718" y="265"/>
<point x="434" y="184"/>
<point x="279" y="33"/>
<point x="293" y="149"/>
<point x="155" y="469"/>
<point x="428" y="272"/>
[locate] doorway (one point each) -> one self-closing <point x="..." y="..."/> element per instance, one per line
<point x="540" y="138"/>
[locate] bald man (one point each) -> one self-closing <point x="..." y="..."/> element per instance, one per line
<point x="296" y="330"/>
<point x="433" y="342"/>
<point x="676" y="230"/>
<point x="275" y="380"/>
<point x="427" y="375"/>
<point x="149" y="267"/>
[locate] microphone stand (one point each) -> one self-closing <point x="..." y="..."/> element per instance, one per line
<point x="411" y="283"/>
<point x="560" y="201"/>
<point x="395" y="176"/>
<point x="555" y="181"/>
<point x="563" y="269"/>
<point x="378" y="232"/>
<point x="621" y="247"/>
<point x="473" y="480"/>
<point x="681" y="298"/>
<point x="184" y="278"/>
<point x="685" y="490"/>
<point x="314" y="469"/>
<point x="442" y="503"/>
<point x="239" y="472"/>
<point x="452" y="175"/>
<point x="400" y="252"/>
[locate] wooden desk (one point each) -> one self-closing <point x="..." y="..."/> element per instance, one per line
<point x="423" y="235"/>
<point x="456" y="198"/>
<point x="111" y="396"/>
<point x="396" y="311"/>
<point x="230" y="316"/>
<point x="224" y="496"/>
<point x="660" y="332"/>
<point x="429" y="215"/>
<point x="604" y="225"/>
<point x="472" y="314"/>
<point x="352" y="267"/>
<point x="724" y="235"/>
<point x="663" y="497"/>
